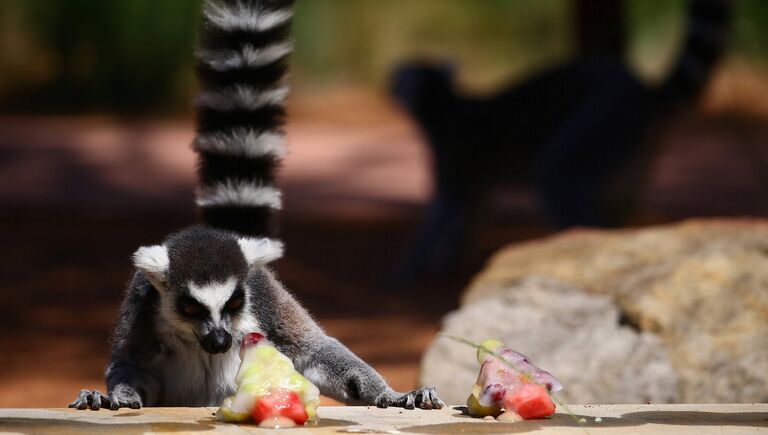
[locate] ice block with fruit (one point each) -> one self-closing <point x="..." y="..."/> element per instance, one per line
<point x="270" y="392"/>
<point x="514" y="385"/>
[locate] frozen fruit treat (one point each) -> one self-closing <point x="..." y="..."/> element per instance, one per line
<point x="270" y="392"/>
<point x="510" y="386"/>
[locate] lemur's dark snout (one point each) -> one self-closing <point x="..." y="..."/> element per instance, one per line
<point x="217" y="341"/>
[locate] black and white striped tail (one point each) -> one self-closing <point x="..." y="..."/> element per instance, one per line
<point x="242" y="63"/>
<point x="708" y="29"/>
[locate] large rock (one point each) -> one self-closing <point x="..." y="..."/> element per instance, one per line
<point x="695" y="294"/>
<point x="563" y="329"/>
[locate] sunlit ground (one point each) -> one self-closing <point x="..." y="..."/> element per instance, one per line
<point x="80" y="194"/>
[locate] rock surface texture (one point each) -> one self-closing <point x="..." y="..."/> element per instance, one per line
<point x="675" y="313"/>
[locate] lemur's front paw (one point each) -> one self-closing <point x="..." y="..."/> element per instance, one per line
<point x="95" y="400"/>
<point x="424" y="398"/>
<point x="122" y="397"/>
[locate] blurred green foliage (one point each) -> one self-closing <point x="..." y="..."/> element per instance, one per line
<point x="360" y="39"/>
<point x="137" y="54"/>
<point x="97" y="53"/>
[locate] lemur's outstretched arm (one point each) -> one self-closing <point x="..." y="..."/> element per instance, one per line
<point x="135" y="345"/>
<point x="337" y="371"/>
<point x="340" y="374"/>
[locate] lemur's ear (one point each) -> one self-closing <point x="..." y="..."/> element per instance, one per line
<point x="259" y="252"/>
<point x="153" y="260"/>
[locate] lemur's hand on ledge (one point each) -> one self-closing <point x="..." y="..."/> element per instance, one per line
<point x="423" y="398"/>
<point x="95" y="400"/>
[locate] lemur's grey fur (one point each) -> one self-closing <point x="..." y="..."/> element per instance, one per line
<point x="160" y="356"/>
<point x="194" y="297"/>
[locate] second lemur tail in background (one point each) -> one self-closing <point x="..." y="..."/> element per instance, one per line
<point x="241" y="64"/>
<point x="709" y="23"/>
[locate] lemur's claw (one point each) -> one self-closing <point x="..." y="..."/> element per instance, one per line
<point x="114" y="405"/>
<point x="96" y="402"/>
<point x="423" y="398"/>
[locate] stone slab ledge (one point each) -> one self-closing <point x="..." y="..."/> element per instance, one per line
<point x="718" y="419"/>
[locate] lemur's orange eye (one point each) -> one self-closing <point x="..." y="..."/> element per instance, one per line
<point x="234" y="304"/>
<point x="190" y="310"/>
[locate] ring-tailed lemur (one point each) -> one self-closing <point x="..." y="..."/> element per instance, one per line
<point x="194" y="297"/>
<point x="568" y="130"/>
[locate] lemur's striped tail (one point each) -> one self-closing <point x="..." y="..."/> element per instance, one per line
<point x="242" y="62"/>
<point x="709" y="24"/>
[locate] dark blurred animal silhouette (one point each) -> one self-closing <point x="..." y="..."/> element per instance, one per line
<point x="570" y="131"/>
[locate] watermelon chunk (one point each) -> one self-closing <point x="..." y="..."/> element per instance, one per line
<point x="529" y="401"/>
<point x="270" y="392"/>
<point x="279" y="405"/>
<point x="509" y="380"/>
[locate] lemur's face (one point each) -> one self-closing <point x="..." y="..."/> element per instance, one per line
<point x="201" y="275"/>
<point x="211" y="310"/>
<point x="412" y="84"/>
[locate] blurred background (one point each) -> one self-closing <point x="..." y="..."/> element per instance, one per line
<point x="96" y="120"/>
